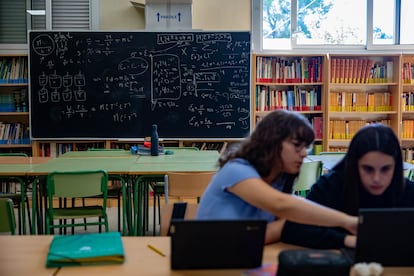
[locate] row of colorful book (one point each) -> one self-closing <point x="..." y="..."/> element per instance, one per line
<point x="354" y="70"/>
<point x="360" y="101"/>
<point x="14" y="102"/>
<point x="316" y="122"/>
<point x="345" y="130"/>
<point x="407" y="101"/>
<point x="299" y="99"/>
<point x="408" y="155"/>
<point x="13" y="69"/>
<point x="14" y="133"/>
<point x="55" y="149"/>
<point x="408" y="73"/>
<point x="407" y="131"/>
<point x="285" y="70"/>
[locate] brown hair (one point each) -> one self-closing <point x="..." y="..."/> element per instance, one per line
<point x="263" y="147"/>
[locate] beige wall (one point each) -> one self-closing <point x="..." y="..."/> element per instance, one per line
<point x="207" y="15"/>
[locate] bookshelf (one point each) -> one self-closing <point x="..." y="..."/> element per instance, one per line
<point x="292" y="82"/>
<point x="362" y="89"/>
<point x="14" y="113"/>
<point x="407" y="107"/>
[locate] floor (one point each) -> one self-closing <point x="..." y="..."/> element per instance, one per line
<point x="112" y="212"/>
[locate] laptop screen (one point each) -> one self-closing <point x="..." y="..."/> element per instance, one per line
<point x="211" y="244"/>
<point x="386" y="236"/>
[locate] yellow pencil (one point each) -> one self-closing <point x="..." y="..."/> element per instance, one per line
<point x="156" y="250"/>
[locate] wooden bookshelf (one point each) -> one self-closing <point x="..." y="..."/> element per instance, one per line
<point x="14" y="108"/>
<point x="362" y="89"/>
<point x="407" y="107"/>
<point x="291" y="82"/>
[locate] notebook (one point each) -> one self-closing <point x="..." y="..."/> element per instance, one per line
<point x="86" y="249"/>
<point x="385" y="236"/>
<point x="210" y="244"/>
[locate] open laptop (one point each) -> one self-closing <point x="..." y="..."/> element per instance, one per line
<point x="385" y="236"/>
<point x="210" y="244"/>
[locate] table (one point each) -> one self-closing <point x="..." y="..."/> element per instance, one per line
<point x="129" y="166"/>
<point x="97" y="153"/>
<point x="18" y="168"/>
<point x="140" y="260"/>
<point x="330" y="160"/>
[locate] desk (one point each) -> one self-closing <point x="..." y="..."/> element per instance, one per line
<point x="97" y="153"/>
<point x="132" y="166"/>
<point x="18" y="168"/>
<point x="26" y="255"/>
<point x="330" y="160"/>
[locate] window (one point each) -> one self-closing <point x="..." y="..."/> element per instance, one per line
<point x="284" y="25"/>
<point x="15" y="20"/>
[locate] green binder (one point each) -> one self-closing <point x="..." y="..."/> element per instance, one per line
<point x="86" y="249"/>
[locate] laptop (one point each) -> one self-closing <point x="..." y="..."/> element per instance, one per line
<point x="385" y="236"/>
<point x="211" y="244"/>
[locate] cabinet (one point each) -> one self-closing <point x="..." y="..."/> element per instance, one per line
<point x="14" y="113"/>
<point x="362" y="89"/>
<point x="292" y="83"/>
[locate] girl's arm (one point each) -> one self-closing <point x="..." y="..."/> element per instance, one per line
<point x="260" y="194"/>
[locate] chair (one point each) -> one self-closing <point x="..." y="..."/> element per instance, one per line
<point x="167" y="213"/>
<point x="16" y="196"/>
<point x="308" y="175"/>
<point x="174" y="184"/>
<point x="182" y="184"/>
<point x="76" y="184"/>
<point x="410" y="175"/>
<point x="8" y="222"/>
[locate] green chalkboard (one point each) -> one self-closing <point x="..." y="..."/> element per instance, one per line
<point x="112" y="85"/>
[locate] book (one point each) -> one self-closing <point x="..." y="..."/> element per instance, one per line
<point x="86" y="249"/>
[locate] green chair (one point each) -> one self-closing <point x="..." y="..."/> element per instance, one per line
<point x="411" y="175"/>
<point x="7" y="220"/>
<point x="16" y="195"/>
<point x="76" y="184"/>
<point x="308" y="175"/>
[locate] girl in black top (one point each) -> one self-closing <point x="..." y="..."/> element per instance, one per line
<point x="369" y="176"/>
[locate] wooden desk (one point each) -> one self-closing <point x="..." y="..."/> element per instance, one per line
<point x="330" y="160"/>
<point x="26" y="255"/>
<point x="97" y="153"/>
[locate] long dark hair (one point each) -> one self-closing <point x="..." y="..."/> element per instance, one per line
<point x="374" y="137"/>
<point x="263" y="147"/>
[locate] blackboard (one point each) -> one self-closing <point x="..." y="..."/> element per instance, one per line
<point x="110" y="85"/>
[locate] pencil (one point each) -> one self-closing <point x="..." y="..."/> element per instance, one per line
<point x="156" y="250"/>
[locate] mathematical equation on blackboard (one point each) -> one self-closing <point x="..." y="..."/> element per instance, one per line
<point x="92" y="84"/>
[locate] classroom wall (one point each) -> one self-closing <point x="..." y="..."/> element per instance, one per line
<point x="232" y="15"/>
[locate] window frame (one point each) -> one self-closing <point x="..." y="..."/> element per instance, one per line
<point x="22" y="48"/>
<point x="257" y="35"/>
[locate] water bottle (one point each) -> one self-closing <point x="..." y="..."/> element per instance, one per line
<point x="154" y="141"/>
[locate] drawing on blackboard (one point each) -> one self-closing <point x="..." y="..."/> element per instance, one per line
<point x="117" y="84"/>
